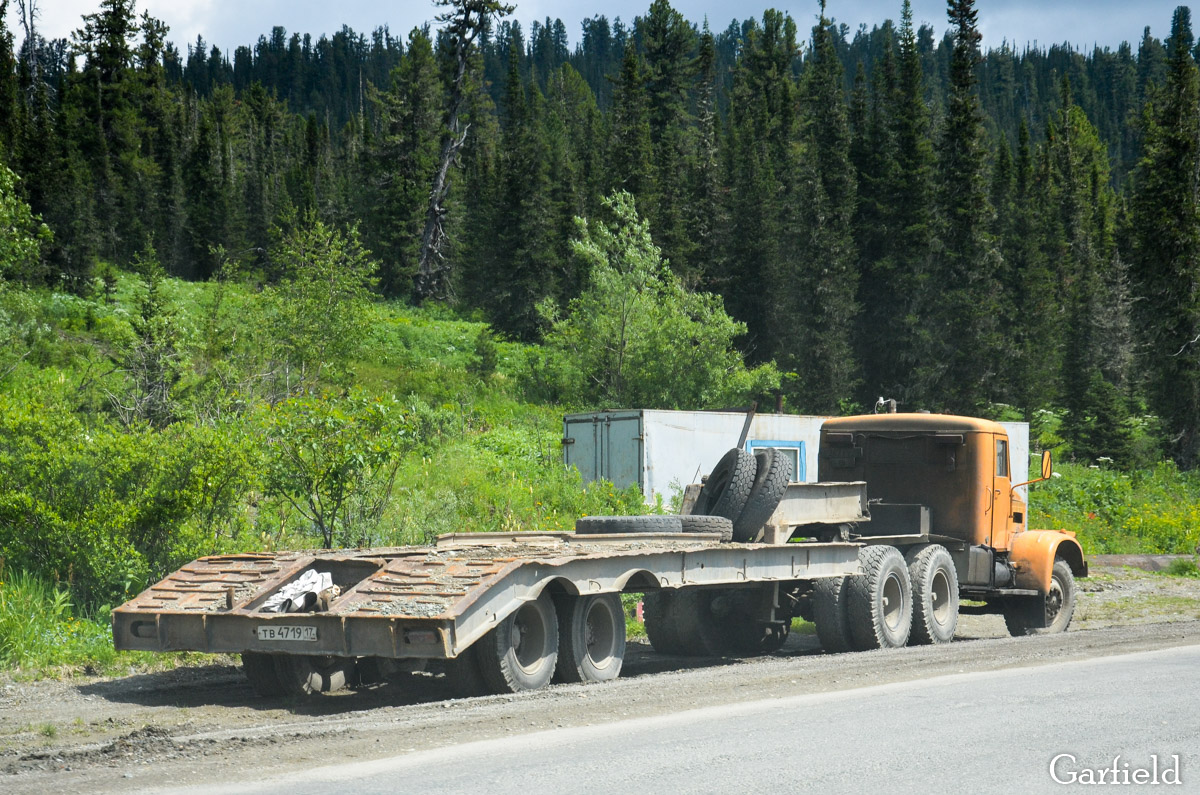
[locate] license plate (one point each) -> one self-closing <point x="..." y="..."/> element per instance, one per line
<point x="287" y="633"/>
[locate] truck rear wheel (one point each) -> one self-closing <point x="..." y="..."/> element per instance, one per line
<point x="830" y="599"/>
<point x="591" y="638"/>
<point x="1038" y="616"/>
<point x="934" y="594"/>
<point x="880" y="600"/>
<point x="305" y="674"/>
<point x="521" y="653"/>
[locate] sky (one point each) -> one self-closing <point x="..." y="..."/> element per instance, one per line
<point x="229" y="23"/>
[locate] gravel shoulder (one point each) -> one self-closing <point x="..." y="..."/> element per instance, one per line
<point x="203" y="723"/>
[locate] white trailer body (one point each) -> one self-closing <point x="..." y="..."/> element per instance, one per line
<point x="664" y="451"/>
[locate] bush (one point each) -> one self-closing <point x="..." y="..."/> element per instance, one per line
<point x="108" y="510"/>
<point x="1152" y="511"/>
<point x="636" y="337"/>
<point x="1183" y="567"/>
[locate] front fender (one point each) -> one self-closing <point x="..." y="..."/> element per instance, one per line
<point x="1033" y="553"/>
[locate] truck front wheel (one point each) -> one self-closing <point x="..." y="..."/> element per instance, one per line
<point x="880" y="608"/>
<point x="1045" y="616"/>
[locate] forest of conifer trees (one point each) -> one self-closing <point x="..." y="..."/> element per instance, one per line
<point x="890" y="211"/>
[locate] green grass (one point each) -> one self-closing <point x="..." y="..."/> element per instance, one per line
<point x="42" y="634"/>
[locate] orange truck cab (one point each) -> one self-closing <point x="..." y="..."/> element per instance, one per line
<point x="948" y="480"/>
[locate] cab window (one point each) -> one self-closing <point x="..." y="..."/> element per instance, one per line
<point x="1002" y="458"/>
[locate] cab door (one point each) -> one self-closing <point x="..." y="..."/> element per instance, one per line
<point x="1000" y="502"/>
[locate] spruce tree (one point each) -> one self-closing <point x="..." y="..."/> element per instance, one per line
<point x="1166" y="245"/>
<point x="814" y="287"/>
<point x="959" y="343"/>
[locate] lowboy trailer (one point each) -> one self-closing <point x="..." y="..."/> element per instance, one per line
<point x="922" y="511"/>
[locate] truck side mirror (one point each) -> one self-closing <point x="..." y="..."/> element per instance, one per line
<point x="1047" y="471"/>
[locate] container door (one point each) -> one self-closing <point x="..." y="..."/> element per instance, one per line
<point x="581" y="445"/>
<point x="621" y="450"/>
<point x="604" y="446"/>
<point x="1000" y="502"/>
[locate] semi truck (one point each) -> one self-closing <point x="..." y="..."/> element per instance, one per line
<point x="911" y="514"/>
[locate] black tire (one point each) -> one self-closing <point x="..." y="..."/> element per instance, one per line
<point x="1038" y="616"/>
<point x="830" y="614"/>
<point x="260" y="670"/>
<point x="699" y="523"/>
<point x="522" y="651"/>
<point x="934" y="594"/>
<point x="880" y="600"/>
<point x="661" y="629"/>
<point x="464" y="675"/>
<point x="728" y="486"/>
<point x="698" y="629"/>
<point x="605" y="525"/>
<point x="591" y="638"/>
<point x="773" y="470"/>
<point x="306" y="674"/>
<point x="742" y="622"/>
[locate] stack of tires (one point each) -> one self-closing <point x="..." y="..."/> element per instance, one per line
<point x="736" y="501"/>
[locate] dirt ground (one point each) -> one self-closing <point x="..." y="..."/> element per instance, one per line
<point x="203" y="724"/>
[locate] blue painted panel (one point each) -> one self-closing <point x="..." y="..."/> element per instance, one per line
<point x="794" y="450"/>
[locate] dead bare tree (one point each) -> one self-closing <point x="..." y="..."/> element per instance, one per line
<point x="465" y="21"/>
<point x="29" y="12"/>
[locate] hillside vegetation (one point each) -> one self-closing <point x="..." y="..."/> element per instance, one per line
<point x="220" y="329"/>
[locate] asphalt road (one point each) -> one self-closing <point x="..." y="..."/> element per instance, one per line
<point x="992" y="731"/>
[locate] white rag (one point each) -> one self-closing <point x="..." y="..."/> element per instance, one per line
<point x="300" y="594"/>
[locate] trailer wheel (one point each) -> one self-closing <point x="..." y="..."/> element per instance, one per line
<point x="520" y="654"/>
<point x="1038" y="616"/>
<point x="260" y="670"/>
<point x="591" y="638"/>
<point x="700" y="523"/>
<point x="743" y="623"/>
<point x="604" y="525"/>
<point x="699" y="630"/>
<point x="935" y="595"/>
<point x="880" y="606"/>
<point x="728" y="486"/>
<point x="661" y="629"/>
<point x="773" y="470"/>
<point x="830" y="599"/>
<point x="464" y="675"/>
<point x="305" y="674"/>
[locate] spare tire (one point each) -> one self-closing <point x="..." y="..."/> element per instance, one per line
<point x="773" y="470"/>
<point x="605" y="525"/>
<point x="728" y="486"/>
<point x="699" y="523"/>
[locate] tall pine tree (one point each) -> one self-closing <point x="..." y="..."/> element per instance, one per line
<point x="1166" y="251"/>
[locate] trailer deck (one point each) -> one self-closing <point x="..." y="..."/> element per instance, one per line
<point x="435" y="601"/>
